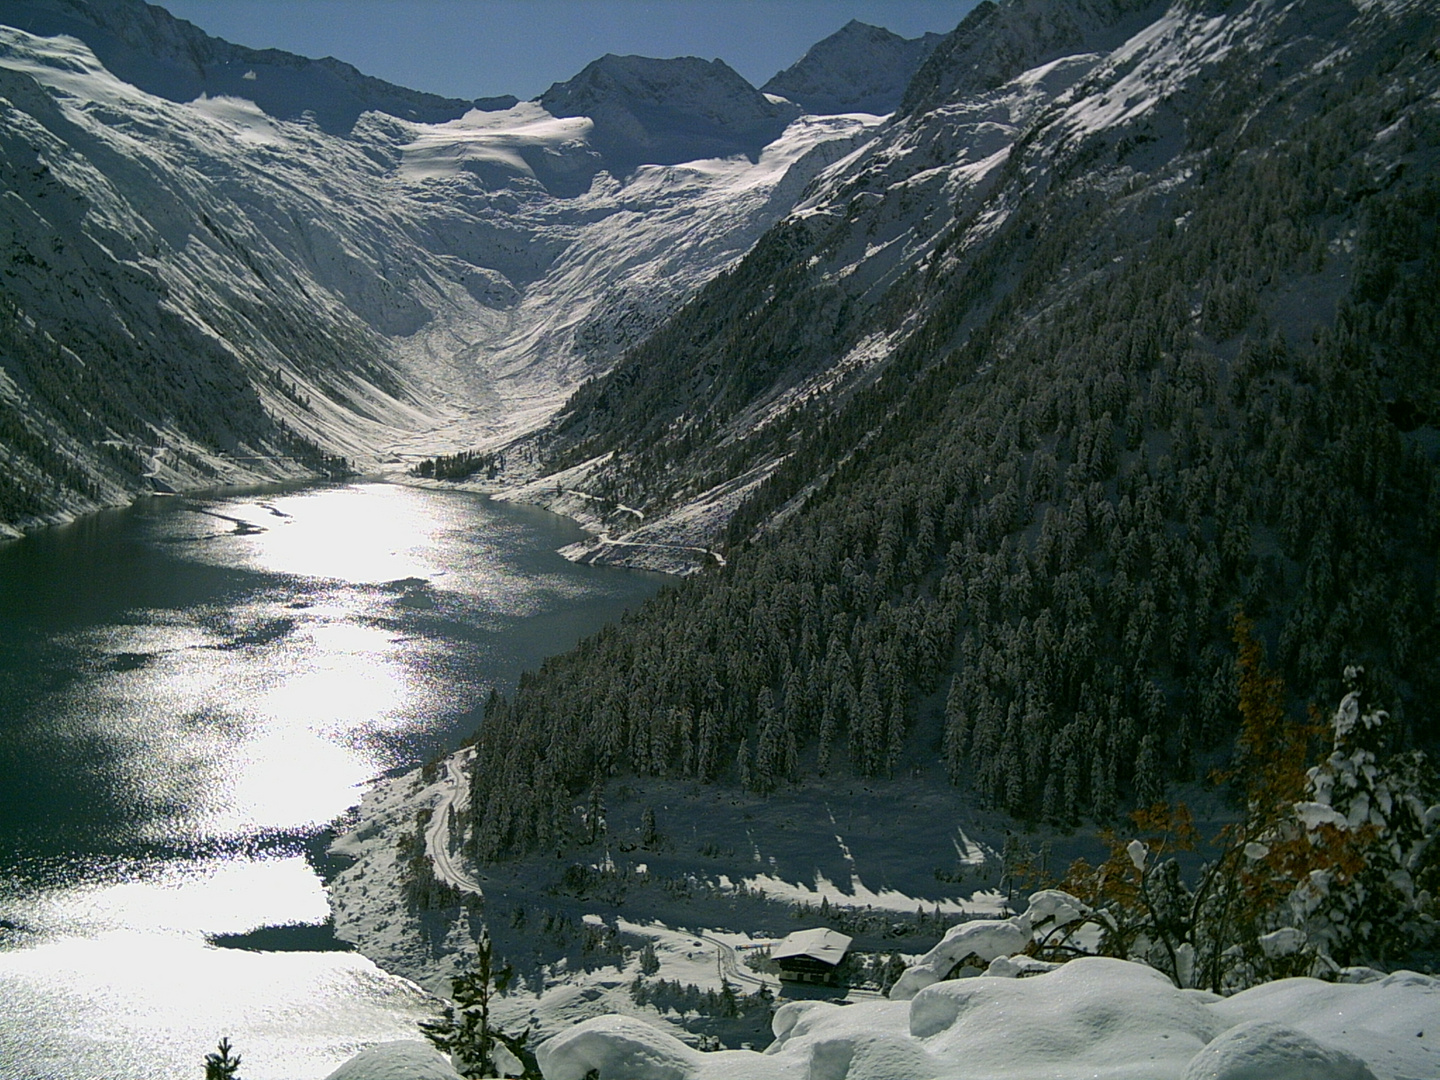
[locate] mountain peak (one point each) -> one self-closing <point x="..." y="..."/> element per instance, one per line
<point x="859" y="68"/>
<point x="663" y="112"/>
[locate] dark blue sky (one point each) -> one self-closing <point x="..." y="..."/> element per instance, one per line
<point x="478" y="48"/>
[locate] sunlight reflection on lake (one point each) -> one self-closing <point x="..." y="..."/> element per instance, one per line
<point x="191" y="689"/>
<point x="126" y="984"/>
<point x="370" y="534"/>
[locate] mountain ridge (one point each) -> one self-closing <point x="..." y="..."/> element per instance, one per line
<point x="1000" y="425"/>
<point x="370" y="296"/>
<point x="150" y="48"/>
<point x="859" y="68"/>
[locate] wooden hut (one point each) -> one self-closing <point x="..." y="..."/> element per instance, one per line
<point x="811" y="956"/>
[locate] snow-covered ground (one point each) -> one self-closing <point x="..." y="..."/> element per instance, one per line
<point x="1027" y="1020"/>
<point x="580" y="933"/>
<point x="1091" y="1018"/>
<point x="701" y="899"/>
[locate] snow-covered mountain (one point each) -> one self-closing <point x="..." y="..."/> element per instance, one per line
<point x="859" y="68"/>
<point x="1123" y="326"/>
<point x="1123" y="323"/>
<point x="1025" y="106"/>
<point x="201" y="290"/>
<point x="146" y="46"/>
<point x="661" y="112"/>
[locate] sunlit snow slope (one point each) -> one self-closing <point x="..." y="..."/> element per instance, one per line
<point x="194" y="293"/>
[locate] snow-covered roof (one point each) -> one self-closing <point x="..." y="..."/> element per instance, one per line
<point x="820" y="943"/>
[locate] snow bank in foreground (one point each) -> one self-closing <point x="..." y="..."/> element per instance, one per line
<point x="983" y="940"/>
<point x="410" y="1060"/>
<point x="1093" y="1017"/>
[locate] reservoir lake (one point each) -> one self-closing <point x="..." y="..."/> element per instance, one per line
<point x="191" y="689"/>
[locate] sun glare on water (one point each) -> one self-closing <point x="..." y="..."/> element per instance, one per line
<point x="213" y="681"/>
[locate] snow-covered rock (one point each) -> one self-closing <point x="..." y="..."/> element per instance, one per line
<point x="869" y="1055"/>
<point x="1265" y="1050"/>
<point x="409" y="1060"/>
<point x="1088" y="1014"/>
<point x="1390" y="1022"/>
<point x="1018" y="967"/>
<point x="1050" y="908"/>
<point x="984" y="939"/>
<point x="618" y="1046"/>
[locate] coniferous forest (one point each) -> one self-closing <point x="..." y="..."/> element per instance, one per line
<point x="1191" y="371"/>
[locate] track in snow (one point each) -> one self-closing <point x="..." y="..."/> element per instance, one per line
<point x="730" y="966"/>
<point x="437" y="836"/>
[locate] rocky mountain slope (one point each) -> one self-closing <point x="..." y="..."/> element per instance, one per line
<point x="202" y="291"/>
<point x="859" y="68"/>
<point x="1121" y="324"/>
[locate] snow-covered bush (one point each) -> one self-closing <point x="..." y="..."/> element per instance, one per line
<point x="1378" y="904"/>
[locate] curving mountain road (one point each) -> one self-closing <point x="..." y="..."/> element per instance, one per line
<point x="437" y="836"/>
<point x="730" y="964"/>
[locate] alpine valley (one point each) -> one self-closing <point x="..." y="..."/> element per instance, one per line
<point x="1039" y="421"/>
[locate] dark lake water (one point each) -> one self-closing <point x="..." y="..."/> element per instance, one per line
<point x="191" y="688"/>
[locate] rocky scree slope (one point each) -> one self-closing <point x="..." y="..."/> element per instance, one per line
<point x="1080" y="353"/>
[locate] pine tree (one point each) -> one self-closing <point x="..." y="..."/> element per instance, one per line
<point x="220" y="1065"/>
<point x="595" y="812"/>
<point x="463" y="1029"/>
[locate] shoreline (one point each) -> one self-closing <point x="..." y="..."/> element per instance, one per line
<point x="59" y="519"/>
<point x="620" y="536"/>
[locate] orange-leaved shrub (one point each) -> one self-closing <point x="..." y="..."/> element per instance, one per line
<point x="1330" y="866"/>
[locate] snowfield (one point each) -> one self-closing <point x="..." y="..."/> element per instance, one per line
<point x="1009" y="1017"/>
